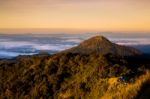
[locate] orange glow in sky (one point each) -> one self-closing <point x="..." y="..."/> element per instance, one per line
<point x="79" y="15"/>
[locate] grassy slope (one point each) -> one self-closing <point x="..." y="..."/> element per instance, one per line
<point x="69" y="76"/>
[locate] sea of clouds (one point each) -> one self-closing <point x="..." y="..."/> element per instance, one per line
<point x="29" y="44"/>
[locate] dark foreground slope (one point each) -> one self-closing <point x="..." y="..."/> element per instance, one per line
<point x="74" y="76"/>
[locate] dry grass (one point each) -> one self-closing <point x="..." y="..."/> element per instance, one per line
<point x="65" y="95"/>
<point x="117" y="90"/>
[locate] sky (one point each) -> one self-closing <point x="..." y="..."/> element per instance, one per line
<point x="74" y="16"/>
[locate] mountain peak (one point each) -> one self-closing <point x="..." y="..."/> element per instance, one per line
<point x="95" y="42"/>
<point x="98" y="38"/>
<point x="101" y="45"/>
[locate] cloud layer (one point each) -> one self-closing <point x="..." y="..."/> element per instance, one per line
<point x="14" y="45"/>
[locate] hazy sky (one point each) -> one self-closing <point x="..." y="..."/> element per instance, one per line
<point x="71" y="15"/>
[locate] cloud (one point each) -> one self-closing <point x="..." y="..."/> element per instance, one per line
<point x="10" y="44"/>
<point x="132" y="41"/>
<point x="52" y="47"/>
<point x="6" y="54"/>
<point x="14" y="44"/>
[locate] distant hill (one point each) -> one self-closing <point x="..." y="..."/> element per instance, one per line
<point x="102" y="45"/>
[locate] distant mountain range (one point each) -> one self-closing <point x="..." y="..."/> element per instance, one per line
<point x="103" y="46"/>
